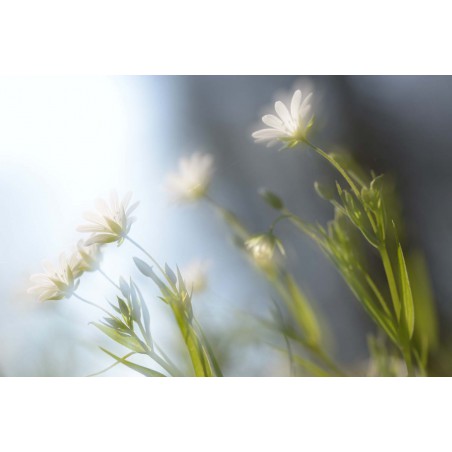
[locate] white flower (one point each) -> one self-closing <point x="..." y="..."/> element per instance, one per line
<point x="195" y="275"/>
<point x="86" y="257"/>
<point x="192" y="179"/>
<point x="57" y="282"/>
<point x="290" y="127"/>
<point x="112" y="222"/>
<point x="262" y="248"/>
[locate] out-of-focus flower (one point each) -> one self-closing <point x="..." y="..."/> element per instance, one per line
<point x="290" y="126"/>
<point x="192" y="179"/>
<point x="87" y="258"/>
<point x="111" y="223"/>
<point x="57" y="282"/>
<point x="195" y="275"/>
<point x="262" y="248"/>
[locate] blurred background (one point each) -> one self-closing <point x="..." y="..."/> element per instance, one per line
<point x="66" y="141"/>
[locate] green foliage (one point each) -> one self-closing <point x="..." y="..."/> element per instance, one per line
<point x="176" y="295"/>
<point x="363" y="209"/>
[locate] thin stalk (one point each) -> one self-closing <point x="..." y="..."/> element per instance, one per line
<point x="408" y="361"/>
<point x="108" y="278"/>
<point x="336" y="165"/>
<point x="229" y="217"/>
<point x="192" y="343"/>
<point x="92" y="304"/>
<point x="168" y="360"/>
<point x="160" y="361"/>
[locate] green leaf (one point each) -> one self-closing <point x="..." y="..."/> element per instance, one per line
<point x="407" y="296"/>
<point x="170" y="274"/>
<point x="310" y="367"/>
<point x="115" y="323"/>
<point x="145" y="314"/>
<point x="426" y="326"/>
<point x="135" y="304"/>
<point x="146" y="270"/>
<point x="124" y="287"/>
<point x="136" y="367"/>
<point x="124" y="308"/>
<point x="130" y="342"/>
<point x="326" y="193"/>
<point x="302" y="311"/>
<point x="95" y="374"/>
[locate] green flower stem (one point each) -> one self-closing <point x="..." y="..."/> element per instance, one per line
<point x="176" y="371"/>
<point x="192" y="342"/>
<point x="92" y="304"/>
<point x="108" y="278"/>
<point x="345" y="175"/>
<point x="277" y="220"/>
<point x="408" y="361"/>
<point x="277" y="284"/>
<point x="336" y="165"/>
<point x="230" y="218"/>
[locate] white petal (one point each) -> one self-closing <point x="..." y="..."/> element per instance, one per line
<point x="283" y="113"/>
<point x="295" y="104"/>
<point x="306" y="101"/>
<point x="272" y="121"/>
<point x="268" y="133"/>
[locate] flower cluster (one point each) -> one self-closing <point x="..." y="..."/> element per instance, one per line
<point x="111" y="224"/>
<point x="57" y="282"/>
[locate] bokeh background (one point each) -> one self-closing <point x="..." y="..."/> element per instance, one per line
<point x="66" y="141"/>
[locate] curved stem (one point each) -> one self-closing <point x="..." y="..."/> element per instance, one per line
<point x="92" y="304"/>
<point x="336" y="165"/>
<point x="229" y="217"/>
<point x="277" y="220"/>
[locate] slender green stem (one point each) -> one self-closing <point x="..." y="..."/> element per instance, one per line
<point x="193" y="346"/>
<point x="336" y="165"/>
<point x="160" y="361"/>
<point x="169" y="361"/>
<point x="277" y="220"/>
<point x="229" y="217"/>
<point x="408" y="361"/>
<point x="92" y="304"/>
<point x="108" y="278"/>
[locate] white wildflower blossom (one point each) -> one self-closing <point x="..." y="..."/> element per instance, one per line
<point x="86" y="257"/>
<point x="262" y="248"/>
<point x="291" y="125"/>
<point x="111" y="222"/>
<point x="57" y="282"/>
<point x="192" y="179"/>
<point x="195" y="275"/>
